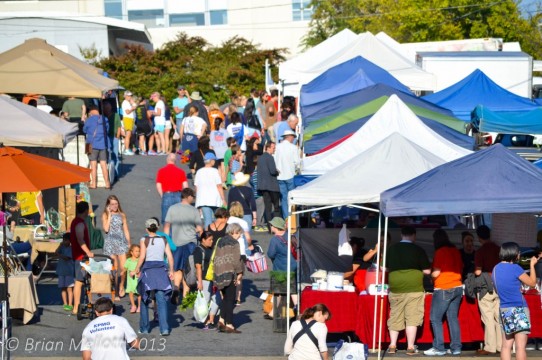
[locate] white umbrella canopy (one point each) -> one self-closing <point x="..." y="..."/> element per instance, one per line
<point x="25" y="125"/>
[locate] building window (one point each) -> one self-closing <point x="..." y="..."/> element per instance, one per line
<point x="113" y="8"/>
<point x="196" y="19"/>
<point x="151" y="18"/>
<point x="219" y="17"/>
<point x="301" y="10"/>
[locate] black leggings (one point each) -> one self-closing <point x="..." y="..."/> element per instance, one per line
<point x="228" y="303"/>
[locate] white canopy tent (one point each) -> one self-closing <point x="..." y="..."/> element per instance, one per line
<point x="393" y="116"/>
<point x="25" y="125"/>
<point x="389" y="162"/>
<point x="290" y="70"/>
<point x="369" y="47"/>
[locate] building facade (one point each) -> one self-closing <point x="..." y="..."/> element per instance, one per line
<point x="271" y="23"/>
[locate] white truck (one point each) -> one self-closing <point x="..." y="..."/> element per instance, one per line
<point x="512" y="70"/>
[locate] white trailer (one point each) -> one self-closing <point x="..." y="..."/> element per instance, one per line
<point x="512" y="70"/>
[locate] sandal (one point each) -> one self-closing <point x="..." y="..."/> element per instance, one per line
<point x="122" y="293"/>
<point x="133" y="309"/>
<point x="412" y="351"/>
<point x="392" y="350"/>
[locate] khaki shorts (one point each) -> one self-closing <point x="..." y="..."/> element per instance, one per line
<point x="406" y="309"/>
<point x="128" y="123"/>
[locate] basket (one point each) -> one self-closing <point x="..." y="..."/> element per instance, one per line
<point x="256" y="263"/>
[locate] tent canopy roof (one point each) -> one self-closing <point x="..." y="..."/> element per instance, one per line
<point x="45" y="71"/>
<point x="503" y="183"/>
<point x="345" y="78"/>
<point x="508" y="123"/>
<point x="388" y="163"/>
<point x="24" y="125"/>
<point x="393" y="116"/>
<point x="478" y="89"/>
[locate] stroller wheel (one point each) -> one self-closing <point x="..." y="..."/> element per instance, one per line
<point x="80" y="310"/>
<point x="91" y="313"/>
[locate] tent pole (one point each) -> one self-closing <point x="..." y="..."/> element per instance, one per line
<point x="382" y="293"/>
<point x="5" y="293"/>
<point x="377" y="270"/>
<point x="288" y="269"/>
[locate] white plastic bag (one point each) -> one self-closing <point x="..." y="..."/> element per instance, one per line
<point x="350" y="351"/>
<point x="201" y="308"/>
<point x="344" y="245"/>
<point x="97" y="267"/>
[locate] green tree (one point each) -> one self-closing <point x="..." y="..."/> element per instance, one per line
<point x="217" y="72"/>
<point x="427" y="20"/>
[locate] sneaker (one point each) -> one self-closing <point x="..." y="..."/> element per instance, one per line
<point x="162" y="153"/>
<point x="128" y="152"/>
<point x="260" y="229"/>
<point x="143" y="153"/>
<point x="142" y="332"/>
<point x="152" y="153"/>
<point x="455" y="352"/>
<point x="166" y="333"/>
<point x="68" y="307"/>
<point x="431" y="352"/>
<point x="238" y="303"/>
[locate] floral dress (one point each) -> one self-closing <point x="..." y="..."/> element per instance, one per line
<point x="115" y="242"/>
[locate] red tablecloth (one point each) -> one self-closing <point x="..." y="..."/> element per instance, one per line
<point x="341" y="304"/>
<point x="469" y="320"/>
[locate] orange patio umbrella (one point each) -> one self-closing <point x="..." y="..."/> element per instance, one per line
<point x="23" y="172"/>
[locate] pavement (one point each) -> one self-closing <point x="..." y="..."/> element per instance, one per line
<point x="54" y="333"/>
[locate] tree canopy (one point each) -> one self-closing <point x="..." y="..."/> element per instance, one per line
<point x="428" y="20"/>
<point x="215" y="71"/>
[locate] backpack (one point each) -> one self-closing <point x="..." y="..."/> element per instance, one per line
<point x="189" y="270"/>
<point x="254" y="122"/>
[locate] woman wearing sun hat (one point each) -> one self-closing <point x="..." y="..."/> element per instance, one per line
<point x="209" y="190"/>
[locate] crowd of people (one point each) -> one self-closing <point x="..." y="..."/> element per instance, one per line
<point x="243" y="157"/>
<point x="453" y="272"/>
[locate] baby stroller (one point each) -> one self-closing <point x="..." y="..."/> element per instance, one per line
<point x="95" y="286"/>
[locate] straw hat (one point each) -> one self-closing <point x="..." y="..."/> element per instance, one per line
<point x="240" y="179"/>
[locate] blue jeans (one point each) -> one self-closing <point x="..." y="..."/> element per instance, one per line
<point x="208" y="215"/>
<point x="114" y="154"/>
<point x="285" y="186"/>
<point x="161" y="304"/>
<point x="446" y="302"/>
<point x="169" y="199"/>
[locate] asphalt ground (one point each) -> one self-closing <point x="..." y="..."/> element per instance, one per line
<point x="53" y="333"/>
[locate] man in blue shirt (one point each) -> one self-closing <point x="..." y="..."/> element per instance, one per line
<point x="96" y="128"/>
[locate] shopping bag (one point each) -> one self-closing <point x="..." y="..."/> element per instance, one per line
<point x="201" y="308"/>
<point x="256" y="263"/>
<point x="344" y="351"/>
<point x="100" y="283"/>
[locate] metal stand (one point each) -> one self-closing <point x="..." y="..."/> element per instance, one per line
<point x="6" y="330"/>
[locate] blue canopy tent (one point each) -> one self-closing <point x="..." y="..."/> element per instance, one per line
<point x="476" y="89"/>
<point x="350" y="76"/>
<point x="337" y="104"/>
<point x="321" y="141"/>
<point x="504" y="183"/>
<point x="486" y="120"/>
<point x="538" y="163"/>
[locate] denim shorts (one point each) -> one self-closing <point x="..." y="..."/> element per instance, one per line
<point x="180" y="256"/>
<point x="159" y="128"/>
